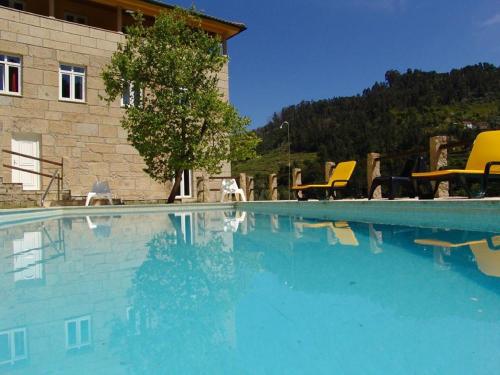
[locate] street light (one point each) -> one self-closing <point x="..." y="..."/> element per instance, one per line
<point x="289" y="157"/>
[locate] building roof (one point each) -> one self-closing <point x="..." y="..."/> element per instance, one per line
<point x="227" y="29"/>
<point x="239" y="25"/>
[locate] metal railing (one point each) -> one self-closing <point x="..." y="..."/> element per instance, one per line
<point x="57" y="175"/>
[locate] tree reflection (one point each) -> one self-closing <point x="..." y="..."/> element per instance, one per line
<point x="181" y="318"/>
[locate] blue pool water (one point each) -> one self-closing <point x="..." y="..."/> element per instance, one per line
<point x="224" y="292"/>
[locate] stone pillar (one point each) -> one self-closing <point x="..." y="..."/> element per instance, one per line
<point x="119" y="19"/>
<point x="296" y="180"/>
<point x="250" y="187"/>
<point x="206" y="188"/>
<point x="329" y="169"/>
<point x="273" y="187"/>
<point x="243" y="184"/>
<point x="373" y="171"/>
<point x="296" y="176"/>
<point x="438" y="158"/>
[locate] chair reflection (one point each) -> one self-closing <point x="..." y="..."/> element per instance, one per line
<point x="232" y="223"/>
<point x="486" y="251"/>
<point x="338" y="231"/>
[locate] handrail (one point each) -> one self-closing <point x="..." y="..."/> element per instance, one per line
<point x="30" y="171"/>
<point x="33" y="157"/>
<point x="42" y="199"/>
<point x="57" y="175"/>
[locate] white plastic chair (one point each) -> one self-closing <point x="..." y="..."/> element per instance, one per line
<point x="229" y="186"/>
<point x="100" y="190"/>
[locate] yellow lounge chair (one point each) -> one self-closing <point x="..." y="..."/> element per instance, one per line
<point x="483" y="164"/>
<point x="339" y="180"/>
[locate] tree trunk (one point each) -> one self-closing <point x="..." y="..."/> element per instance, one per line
<point x="177" y="184"/>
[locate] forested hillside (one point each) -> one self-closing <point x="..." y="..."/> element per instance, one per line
<point x="398" y="114"/>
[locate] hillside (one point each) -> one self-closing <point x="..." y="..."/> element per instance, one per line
<point x="398" y="114"/>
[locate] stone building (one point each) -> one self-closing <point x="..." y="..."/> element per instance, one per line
<point x="51" y="56"/>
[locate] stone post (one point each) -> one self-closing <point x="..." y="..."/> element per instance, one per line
<point x="296" y="180"/>
<point x="373" y="171"/>
<point x="329" y="169"/>
<point x="438" y="158"/>
<point x="243" y="184"/>
<point x="206" y="188"/>
<point x="296" y="176"/>
<point x="273" y="187"/>
<point x="250" y="187"/>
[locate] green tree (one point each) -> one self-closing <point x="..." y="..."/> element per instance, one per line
<point x="180" y="119"/>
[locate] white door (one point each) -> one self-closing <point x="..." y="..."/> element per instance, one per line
<point x="28" y="257"/>
<point x="27" y="146"/>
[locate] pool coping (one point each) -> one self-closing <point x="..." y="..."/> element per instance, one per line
<point x="465" y="214"/>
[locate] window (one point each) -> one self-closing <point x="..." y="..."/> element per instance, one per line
<point x="13" y="346"/>
<point x="10" y="74"/>
<point x="78" y="332"/>
<point x="184" y="190"/>
<point x="131" y="96"/>
<point x="72" y="83"/>
<point x="71" y="17"/>
<point x="16" y="4"/>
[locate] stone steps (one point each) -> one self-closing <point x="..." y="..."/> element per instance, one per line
<point x="12" y="195"/>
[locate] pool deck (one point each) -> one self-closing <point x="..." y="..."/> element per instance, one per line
<point x="456" y="213"/>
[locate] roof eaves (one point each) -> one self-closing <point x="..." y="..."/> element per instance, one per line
<point x="241" y="26"/>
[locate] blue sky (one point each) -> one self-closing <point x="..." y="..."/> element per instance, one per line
<point x="298" y="50"/>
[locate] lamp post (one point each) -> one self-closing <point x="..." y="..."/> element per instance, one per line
<point x="289" y="157"/>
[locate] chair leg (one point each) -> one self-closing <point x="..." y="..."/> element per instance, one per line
<point x="463" y="182"/>
<point x="375" y="184"/>
<point x="392" y="186"/>
<point x="89" y="198"/>
<point x="484" y="187"/>
<point x="411" y="189"/>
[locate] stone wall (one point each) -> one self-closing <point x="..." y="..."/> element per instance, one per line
<point x="87" y="136"/>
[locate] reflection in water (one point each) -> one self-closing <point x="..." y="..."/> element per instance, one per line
<point x="237" y="292"/>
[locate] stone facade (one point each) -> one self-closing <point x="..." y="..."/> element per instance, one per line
<point x="86" y="136"/>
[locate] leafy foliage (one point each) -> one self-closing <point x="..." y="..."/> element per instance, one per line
<point x="181" y="120"/>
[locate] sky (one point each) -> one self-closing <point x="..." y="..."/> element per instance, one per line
<point x="295" y="50"/>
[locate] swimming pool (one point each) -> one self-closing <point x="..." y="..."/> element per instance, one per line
<point x="239" y="292"/>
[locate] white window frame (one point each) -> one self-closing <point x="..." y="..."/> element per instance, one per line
<point x="12" y="4"/>
<point x="131" y="96"/>
<point x="181" y="187"/>
<point x="78" y="322"/>
<point x="72" y="74"/>
<point x="11" y="334"/>
<point x="75" y="16"/>
<point x="6" y="79"/>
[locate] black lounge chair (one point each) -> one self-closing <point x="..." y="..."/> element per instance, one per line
<point x="403" y="180"/>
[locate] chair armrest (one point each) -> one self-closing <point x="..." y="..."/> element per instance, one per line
<point x="488" y="166"/>
<point x="335" y="181"/>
